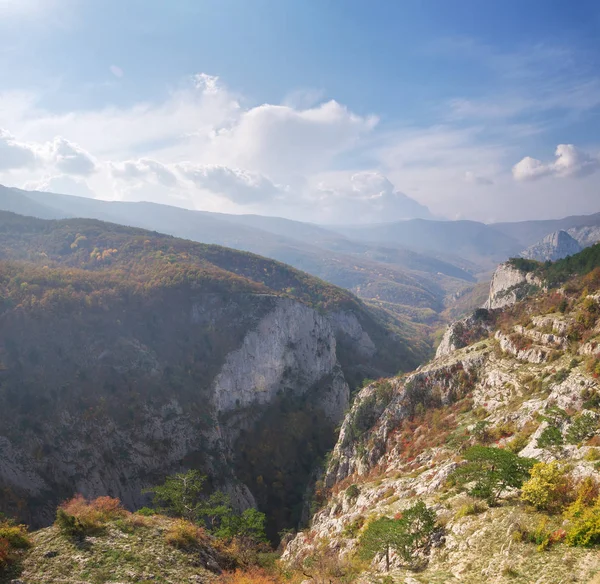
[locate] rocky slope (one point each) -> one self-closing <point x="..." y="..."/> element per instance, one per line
<point x="519" y="371"/>
<point x="126" y="356"/>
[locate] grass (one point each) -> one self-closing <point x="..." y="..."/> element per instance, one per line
<point x="134" y="549"/>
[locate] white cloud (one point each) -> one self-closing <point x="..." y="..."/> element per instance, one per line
<point x="239" y="186"/>
<point x="570" y="163"/>
<point x="143" y="169"/>
<point x="63" y="184"/>
<point x="203" y="147"/>
<point x="70" y="158"/>
<point x="281" y="141"/>
<point x="364" y="197"/>
<point x="14" y="154"/>
<point x="476" y="179"/>
<point x="116" y="71"/>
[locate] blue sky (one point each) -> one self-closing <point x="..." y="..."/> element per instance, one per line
<point x="314" y="109"/>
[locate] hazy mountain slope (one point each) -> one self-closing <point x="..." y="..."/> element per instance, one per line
<point x="394" y="275"/>
<point x="516" y="377"/>
<point x="126" y="355"/>
<point x="15" y="201"/>
<point x="529" y="232"/>
<point x="468" y="239"/>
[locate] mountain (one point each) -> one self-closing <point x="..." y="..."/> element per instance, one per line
<point x="126" y="355"/>
<point x="529" y="232"/>
<point x="403" y="278"/>
<point x="482" y="465"/>
<point x="470" y="240"/>
<point x="554" y="246"/>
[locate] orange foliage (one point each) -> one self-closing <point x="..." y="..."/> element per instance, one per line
<point x="253" y="575"/>
<point x="94" y="513"/>
<point x="185" y="535"/>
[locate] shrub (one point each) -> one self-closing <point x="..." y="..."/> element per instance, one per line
<point x="542" y="535"/>
<point x="352" y="492"/>
<point x="549" y="488"/>
<point x="78" y="517"/>
<point x="183" y="534"/>
<point x="550" y="437"/>
<point x="584" y="530"/>
<point x="592" y="455"/>
<point x="13" y="540"/>
<point x="583" y="426"/>
<point x="492" y="470"/>
<point x="146" y="512"/>
<point x="467" y="509"/>
<point x="352" y="529"/>
<point x="253" y="575"/>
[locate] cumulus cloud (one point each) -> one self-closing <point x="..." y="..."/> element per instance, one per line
<point x="144" y="169"/>
<point x="366" y="197"/>
<point x="70" y="158"/>
<point x="239" y="186"/>
<point x="63" y="184"/>
<point x="476" y="179"/>
<point x="570" y="162"/>
<point x="280" y="141"/>
<point x="14" y="154"/>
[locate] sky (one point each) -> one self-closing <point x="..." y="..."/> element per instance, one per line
<point x="331" y="111"/>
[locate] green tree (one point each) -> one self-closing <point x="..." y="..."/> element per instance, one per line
<point x="180" y="495"/>
<point x="491" y="471"/>
<point x="249" y="525"/>
<point x="405" y="535"/>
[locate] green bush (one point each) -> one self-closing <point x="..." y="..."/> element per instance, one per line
<point x="583" y="426"/>
<point x="352" y="492"/>
<point x="69" y="525"/>
<point x="14" y="539"/>
<point x="550" y="437"/>
<point x="146" y="512"/>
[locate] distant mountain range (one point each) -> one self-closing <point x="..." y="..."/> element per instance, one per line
<point x="413" y="268"/>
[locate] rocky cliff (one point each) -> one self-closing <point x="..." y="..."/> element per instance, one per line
<point x="554" y="246"/>
<point x="535" y="368"/>
<point x="510" y="284"/>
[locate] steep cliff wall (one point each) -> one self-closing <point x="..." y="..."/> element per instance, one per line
<point x="111" y="400"/>
<point x="510" y="285"/>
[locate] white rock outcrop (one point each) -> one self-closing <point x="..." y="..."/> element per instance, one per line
<point x="510" y="285"/>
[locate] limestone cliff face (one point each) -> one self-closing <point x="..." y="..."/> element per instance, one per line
<point x="123" y="410"/>
<point x="509" y="285"/>
<point x="554" y="246"/>
<point x="291" y="348"/>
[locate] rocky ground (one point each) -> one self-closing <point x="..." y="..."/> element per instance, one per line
<point x="403" y="438"/>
